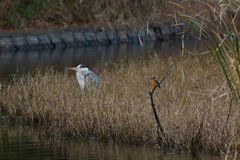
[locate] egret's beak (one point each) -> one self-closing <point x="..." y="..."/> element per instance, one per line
<point x="73" y="68"/>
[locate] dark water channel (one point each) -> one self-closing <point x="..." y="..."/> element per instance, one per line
<point x="27" y="143"/>
<point x="95" y="57"/>
<point x="22" y="142"/>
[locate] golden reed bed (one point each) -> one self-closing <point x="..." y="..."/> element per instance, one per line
<point x="194" y="104"/>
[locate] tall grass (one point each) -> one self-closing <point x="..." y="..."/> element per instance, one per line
<point x="217" y="24"/>
<point x="36" y="14"/>
<point x="191" y="104"/>
<point x="55" y="13"/>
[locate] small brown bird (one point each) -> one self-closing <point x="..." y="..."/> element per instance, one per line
<point x="154" y="81"/>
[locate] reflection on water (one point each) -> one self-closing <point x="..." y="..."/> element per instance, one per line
<point x="18" y="142"/>
<point x="22" y="62"/>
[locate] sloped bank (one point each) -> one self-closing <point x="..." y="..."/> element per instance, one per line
<point x="85" y="36"/>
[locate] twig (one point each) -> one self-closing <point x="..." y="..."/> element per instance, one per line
<point x="159" y="126"/>
<point x="228" y="115"/>
<point x="196" y="139"/>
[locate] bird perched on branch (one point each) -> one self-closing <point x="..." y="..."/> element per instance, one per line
<point x="85" y="76"/>
<point x="154" y="81"/>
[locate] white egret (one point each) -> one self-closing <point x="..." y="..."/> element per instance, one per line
<point x="85" y="76"/>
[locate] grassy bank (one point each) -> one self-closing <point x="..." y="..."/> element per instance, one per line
<point x="54" y="13"/>
<point x="33" y="14"/>
<point x="193" y="101"/>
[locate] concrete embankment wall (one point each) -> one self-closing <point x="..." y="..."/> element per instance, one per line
<point x="87" y="36"/>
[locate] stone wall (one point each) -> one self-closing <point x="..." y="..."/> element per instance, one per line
<point x="87" y="36"/>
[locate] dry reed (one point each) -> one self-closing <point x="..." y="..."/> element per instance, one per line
<point x="193" y="105"/>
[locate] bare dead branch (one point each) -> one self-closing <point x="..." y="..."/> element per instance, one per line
<point x="161" y="141"/>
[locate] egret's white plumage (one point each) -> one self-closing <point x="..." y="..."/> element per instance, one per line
<point x="85" y="76"/>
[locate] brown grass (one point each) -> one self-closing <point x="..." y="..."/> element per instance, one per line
<point x="120" y="111"/>
<point x="49" y="14"/>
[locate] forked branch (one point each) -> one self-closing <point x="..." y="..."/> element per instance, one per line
<point x="162" y="134"/>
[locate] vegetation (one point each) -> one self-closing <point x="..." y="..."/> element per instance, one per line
<point x="35" y="14"/>
<point x="220" y="25"/>
<point x="222" y="39"/>
<point x="48" y="14"/>
<point x="191" y="104"/>
<point x="198" y="104"/>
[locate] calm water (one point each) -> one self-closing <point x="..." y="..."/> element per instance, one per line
<point x="95" y="57"/>
<point x="27" y="143"/>
<point x="21" y="142"/>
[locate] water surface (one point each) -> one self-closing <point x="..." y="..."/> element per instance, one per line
<point x="95" y="57"/>
<point x="19" y="142"/>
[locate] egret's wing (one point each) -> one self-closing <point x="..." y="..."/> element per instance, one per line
<point x="92" y="77"/>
